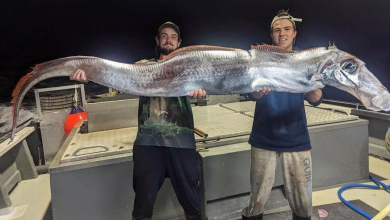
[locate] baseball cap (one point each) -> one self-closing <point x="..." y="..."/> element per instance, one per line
<point x="285" y="15"/>
<point x="169" y="25"/>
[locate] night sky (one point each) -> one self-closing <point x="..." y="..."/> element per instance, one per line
<point x="38" y="31"/>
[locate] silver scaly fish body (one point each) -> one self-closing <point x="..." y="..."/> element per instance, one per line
<point x="220" y="70"/>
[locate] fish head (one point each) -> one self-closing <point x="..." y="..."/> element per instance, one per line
<point x="348" y="73"/>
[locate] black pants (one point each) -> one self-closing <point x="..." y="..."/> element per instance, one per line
<point x="152" y="164"/>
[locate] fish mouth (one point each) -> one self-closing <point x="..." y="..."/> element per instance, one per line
<point x="380" y="102"/>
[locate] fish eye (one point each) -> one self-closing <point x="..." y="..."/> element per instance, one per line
<point x="349" y="66"/>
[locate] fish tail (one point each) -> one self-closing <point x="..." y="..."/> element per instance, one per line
<point x="13" y="122"/>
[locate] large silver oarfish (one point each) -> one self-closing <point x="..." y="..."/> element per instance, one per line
<point x="220" y="70"/>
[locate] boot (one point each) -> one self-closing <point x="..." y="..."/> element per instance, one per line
<point x="295" y="217"/>
<point x="245" y="216"/>
<point x="193" y="217"/>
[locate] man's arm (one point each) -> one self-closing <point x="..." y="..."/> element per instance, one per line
<point x="314" y="97"/>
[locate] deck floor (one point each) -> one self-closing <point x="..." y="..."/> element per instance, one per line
<point x="35" y="194"/>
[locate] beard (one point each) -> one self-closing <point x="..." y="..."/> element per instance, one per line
<point x="165" y="51"/>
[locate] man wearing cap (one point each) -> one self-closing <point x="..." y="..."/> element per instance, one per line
<point x="165" y="143"/>
<point x="280" y="130"/>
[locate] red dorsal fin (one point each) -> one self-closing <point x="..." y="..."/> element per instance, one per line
<point x="198" y="47"/>
<point x="23" y="81"/>
<point x="37" y="68"/>
<point x="277" y="49"/>
<point x="271" y="48"/>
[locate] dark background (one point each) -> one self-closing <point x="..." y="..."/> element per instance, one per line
<point x="38" y="31"/>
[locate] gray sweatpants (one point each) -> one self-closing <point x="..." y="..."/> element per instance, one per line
<point x="297" y="174"/>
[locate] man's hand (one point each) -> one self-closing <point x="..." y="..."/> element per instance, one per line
<point x="79" y="75"/>
<point x="259" y="93"/>
<point x="198" y="93"/>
